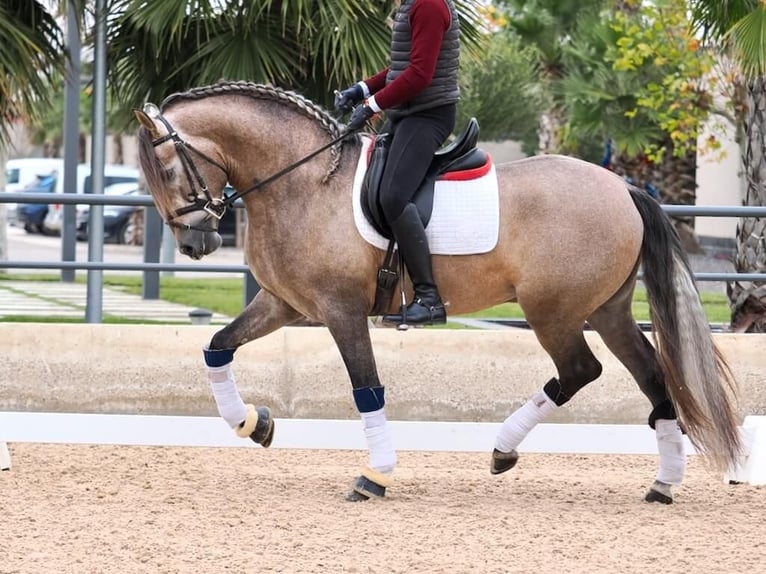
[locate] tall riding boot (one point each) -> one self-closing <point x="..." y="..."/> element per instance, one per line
<point x="427" y="307"/>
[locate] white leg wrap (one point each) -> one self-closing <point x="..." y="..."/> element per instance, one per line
<point x="230" y="405"/>
<point x="380" y="441"/>
<point x="523" y="420"/>
<point x="670" y="445"/>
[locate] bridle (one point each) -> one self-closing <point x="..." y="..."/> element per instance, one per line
<point x="214" y="206"/>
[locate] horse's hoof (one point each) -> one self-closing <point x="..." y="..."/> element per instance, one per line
<point x="659" y="492"/>
<point x="264" y="428"/>
<point x="355" y="496"/>
<point x="370" y="484"/>
<point x="503" y="461"/>
<point x="259" y="426"/>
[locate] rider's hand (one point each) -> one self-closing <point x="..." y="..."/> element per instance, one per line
<point x="348" y="98"/>
<point x="359" y="118"/>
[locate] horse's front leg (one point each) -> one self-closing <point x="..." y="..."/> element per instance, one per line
<point x="264" y="314"/>
<point x="352" y="336"/>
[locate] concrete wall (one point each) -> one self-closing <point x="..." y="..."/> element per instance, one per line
<point x="429" y="375"/>
<point x="719" y="180"/>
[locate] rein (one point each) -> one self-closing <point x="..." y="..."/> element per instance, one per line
<point x="259" y="184"/>
<point x="216" y="207"/>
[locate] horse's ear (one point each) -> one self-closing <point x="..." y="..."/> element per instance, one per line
<point x="144" y="119"/>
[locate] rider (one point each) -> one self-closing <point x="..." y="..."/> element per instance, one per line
<point x="418" y="92"/>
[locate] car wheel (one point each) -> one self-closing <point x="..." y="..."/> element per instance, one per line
<point x="29" y="228"/>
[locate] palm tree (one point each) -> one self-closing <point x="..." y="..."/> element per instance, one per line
<point x="156" y="48"/>
<point x="547" y="25"/>
<point x="739" y="26"/>
<point x="32" y="60"/>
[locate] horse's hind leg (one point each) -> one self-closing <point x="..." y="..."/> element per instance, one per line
<point x="264" y="314"/>
<point x="576" y="367"/>
<point x="615" y="324"/>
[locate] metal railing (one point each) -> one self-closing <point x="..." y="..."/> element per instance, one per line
<point x="152" y="244"/>
<point x="151" y="266"/>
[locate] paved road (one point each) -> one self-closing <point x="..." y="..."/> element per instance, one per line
<point x="23" y="246"/>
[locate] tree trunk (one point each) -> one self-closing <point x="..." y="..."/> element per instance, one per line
<point x="118" y="151"/>
<point x="551" y="123"/>
<point x="3" y="212"/>
<point x="676" y="181"/>
<point x="748" y="298"/>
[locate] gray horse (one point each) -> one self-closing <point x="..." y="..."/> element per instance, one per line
<point x="570" y="241"/>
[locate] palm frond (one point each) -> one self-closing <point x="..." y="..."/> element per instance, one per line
<point x="748" y="40"/>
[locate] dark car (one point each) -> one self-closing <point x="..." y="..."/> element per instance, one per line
<point x="32" y="215"/>
<point x="124" y="224"/>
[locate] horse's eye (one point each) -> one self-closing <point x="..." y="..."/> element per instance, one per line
<point x="170" y="174"/>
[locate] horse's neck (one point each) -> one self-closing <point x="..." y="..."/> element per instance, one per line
<point x="301" y="197"/>
<point x="274" y="151"/>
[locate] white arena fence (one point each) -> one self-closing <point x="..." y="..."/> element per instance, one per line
<point x="190" y="431"/>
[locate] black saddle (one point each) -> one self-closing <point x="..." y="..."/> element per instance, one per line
<point x="459" y="155"/>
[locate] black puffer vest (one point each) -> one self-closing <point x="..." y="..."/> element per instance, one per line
<point x="444" y="86"/>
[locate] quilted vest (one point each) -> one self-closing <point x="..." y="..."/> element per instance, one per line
<point x="444" y="86"/>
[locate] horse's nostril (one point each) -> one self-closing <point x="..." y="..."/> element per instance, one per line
<point x="186" y="250"/>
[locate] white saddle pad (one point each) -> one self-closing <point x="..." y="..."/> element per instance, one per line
<point x="465" y="218"/>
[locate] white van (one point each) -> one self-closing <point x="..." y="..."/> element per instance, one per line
<point x="22" y="172"/>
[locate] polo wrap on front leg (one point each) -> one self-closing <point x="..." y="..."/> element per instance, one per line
<point x="221" y="378"/>
<point x="371" y="402"/>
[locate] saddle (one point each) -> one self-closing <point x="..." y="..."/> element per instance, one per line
<point x="459" y="155"/>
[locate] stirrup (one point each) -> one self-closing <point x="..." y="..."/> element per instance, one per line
<point x="418" y="313"/>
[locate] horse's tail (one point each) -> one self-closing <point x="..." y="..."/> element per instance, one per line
<point x="697" y="378"/>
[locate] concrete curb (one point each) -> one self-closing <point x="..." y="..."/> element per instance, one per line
<point x="430" y="375"/>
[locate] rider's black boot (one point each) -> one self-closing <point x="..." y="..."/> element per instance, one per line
<point x="427" y="307"/>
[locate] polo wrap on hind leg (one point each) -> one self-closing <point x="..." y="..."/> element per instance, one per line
<point x="370" y="402"/>
<point x="524" y="419"/>
<point x="231" y="407"/>
<point x="670" y="445"/>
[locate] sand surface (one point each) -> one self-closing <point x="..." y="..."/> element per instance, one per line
<point x="94" y="509"/>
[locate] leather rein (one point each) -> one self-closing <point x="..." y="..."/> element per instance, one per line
<point x="214" y="206"/>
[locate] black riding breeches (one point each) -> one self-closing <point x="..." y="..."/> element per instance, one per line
<point x="415" y="138"/>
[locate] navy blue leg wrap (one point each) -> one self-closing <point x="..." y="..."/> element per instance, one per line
<point x="218" y="357"/>
<point x="369" y="399"/>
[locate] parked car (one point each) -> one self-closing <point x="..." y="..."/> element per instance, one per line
<point x="23" y="173"/>
<point x="122" y="223"/>
<point x="113" y="174"/>
<point x="32" y="215"/>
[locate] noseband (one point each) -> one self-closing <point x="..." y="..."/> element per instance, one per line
<point x="215" y="207"/>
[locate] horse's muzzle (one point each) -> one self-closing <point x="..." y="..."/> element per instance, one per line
<point x="196" y="244"/>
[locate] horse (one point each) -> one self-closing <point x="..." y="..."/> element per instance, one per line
<point x="571" y="237"/>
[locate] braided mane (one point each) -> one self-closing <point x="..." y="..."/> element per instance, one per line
<point x="268" y="92"/>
